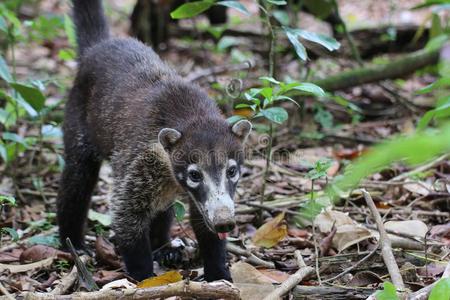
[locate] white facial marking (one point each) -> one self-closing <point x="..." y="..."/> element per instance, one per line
<point x="233" y="163"/>
<point x="218" y="196"/>
<point x="180" y="176"/>
<point x="189" y="182"/>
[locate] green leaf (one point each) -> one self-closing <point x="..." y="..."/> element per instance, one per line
<point x="69" y="28"/>
<point x="103" y="219"/>
<point x="276" y="2"/>
<point x="180" y="210"/>
<point x="10" y="136"/>
<point x="31" y="94"/>
<point x="439" y="112"/>
<point x="429" y="3"/>
<point x="3" y="25"/>
<point x="4" y="70"/>
<point x="234" y="119"/>
<point x="191" y="9"/>
<point x="275" y="114"/>
<point x="49" y="132"/>
<point x="227" y="41"/>
<point x="48" y="240"/>
<point x="236" y="5"/>
<point x="3" y="152"/>
<point x="281" y="16"/>
<point x="328" y="42"/>
<point x="270" y="79"/>
<point x="441" y="290"/>
<point x="293" y="38"/>
<point x="10" y="200"/>
<point x="12" y="232"/>
<point x="388" y="293"/>
<point x="67" y="54"/>
<point x="417" y="148"/>
<point x="310" y="88"/>
<point x="242" y="105"/>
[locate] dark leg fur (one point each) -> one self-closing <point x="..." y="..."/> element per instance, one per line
<point x="138" y="258"/>
<point x="160" y="228"/>
<point x="78" y="178"/>
<point x="212" y="250"/>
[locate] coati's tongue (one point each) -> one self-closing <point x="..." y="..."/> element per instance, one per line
<point x="222" y="235"/>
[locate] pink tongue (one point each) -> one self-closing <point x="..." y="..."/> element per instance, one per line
<point x="222" y="235"/>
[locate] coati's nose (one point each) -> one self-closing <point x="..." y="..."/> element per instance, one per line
<point x="223" y="220"/>
<point x="225" y="227"/>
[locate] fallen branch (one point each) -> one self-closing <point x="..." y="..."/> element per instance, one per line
<point x="373" y="73"/>
<point x="69" y="280"/>
<point x="423" y="293"/>
<point x="422" y="168"/>
<point x="293" y="280"/>
<point x="27" y="267"/>
<point x="385" y="245"/>
<point x="216" y="290"/>
<point x="349" y="269"/>
<point x="251" y="258"/>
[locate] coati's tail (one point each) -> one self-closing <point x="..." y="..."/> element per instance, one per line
<point x="90" y="23"/>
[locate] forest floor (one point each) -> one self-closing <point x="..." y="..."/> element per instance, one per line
<point x="342" y="249"/>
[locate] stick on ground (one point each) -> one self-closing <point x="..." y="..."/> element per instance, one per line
<point x="385" y="244"/>
<point x="215" y="290"/>
<point x="293" y="280"/>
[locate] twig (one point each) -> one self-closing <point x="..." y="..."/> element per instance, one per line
<point x="251" y="258"/>
<point x="27" y="267"/>
<point x="316" y="254"/>
<point x="216" y="70"/>
<point x="69" y="280"/>
<point x="5" y="292"/>
<point x="422" y="168"/>
<point x="293" y="280"/>
<point x="423" y="293"/>
<point x="216" y="290"/>
<point x="349" y="269"/>
<point x="385" y="244"/>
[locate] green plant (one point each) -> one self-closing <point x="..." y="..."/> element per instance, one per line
<point x="388" y="293"/>
<point x="8" y="201"/>
<point x="441" y="290"/>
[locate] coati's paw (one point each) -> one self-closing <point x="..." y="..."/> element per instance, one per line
<point x="217" y="273"/>
<point x="171" y="257"/>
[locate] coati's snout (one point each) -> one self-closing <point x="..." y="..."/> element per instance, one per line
<point x="206" y="161"/>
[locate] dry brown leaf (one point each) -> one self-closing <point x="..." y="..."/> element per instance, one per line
<point x="40" y="252"/>
<point x="242" y="272"/>
<point x="164" y="279"/>
<point x="269" y="234"/>
<point x="105" y="253"/>
<point x="252" y="291"/>
<point x="103" y="277"/>
<point x="275" y="275"/>
<point x="348" y="232"/>
<point x="420" y="187"/>
<point x="13" y="256"/>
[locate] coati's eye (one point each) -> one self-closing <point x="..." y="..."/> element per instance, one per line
<point x="232" y="171"/>
<point x="195" y="175"/>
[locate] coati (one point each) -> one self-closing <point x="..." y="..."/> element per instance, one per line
<point x="163" y="136"/>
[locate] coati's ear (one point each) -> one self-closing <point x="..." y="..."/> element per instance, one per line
<point x="167" y="137"/>
<point x="242" y="129"/>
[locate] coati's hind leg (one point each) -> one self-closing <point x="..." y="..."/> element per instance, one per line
<point x="78" y="180"/>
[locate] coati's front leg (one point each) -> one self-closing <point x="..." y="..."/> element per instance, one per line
<point x="131" y="226"/>
<point x="137" y="199"/>
<point x="212" y="249"/>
